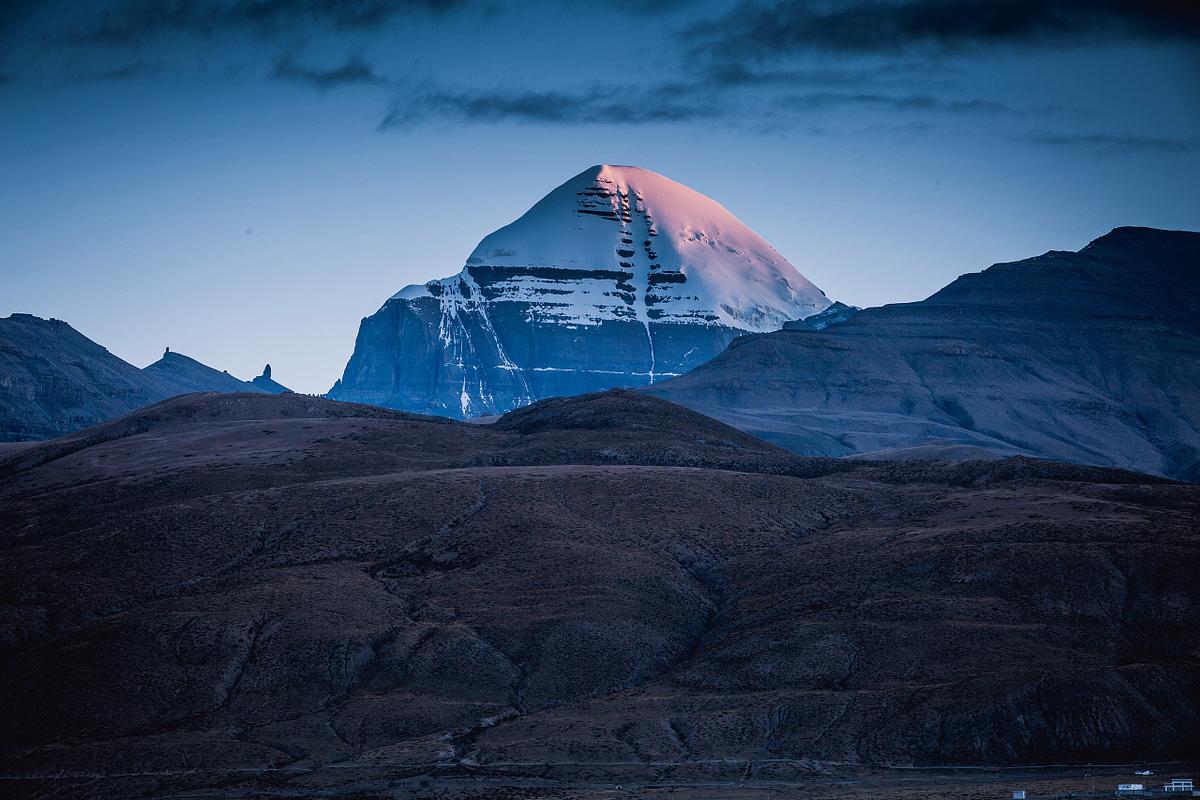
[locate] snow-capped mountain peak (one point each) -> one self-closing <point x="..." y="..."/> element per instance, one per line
<point x="685" y="256"/>
<point x="618" y="277"/>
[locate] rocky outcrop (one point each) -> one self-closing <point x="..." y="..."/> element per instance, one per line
<point x="619" y="277"/>
<point x="835" y="313"/>
<point x="266" y="383"/>
<point x="1089" y="356"/>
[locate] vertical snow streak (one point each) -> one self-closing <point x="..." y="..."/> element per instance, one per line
<point x="486" y="321"/>
<point x="636" y="213"/>
<point x="456" y="338"/>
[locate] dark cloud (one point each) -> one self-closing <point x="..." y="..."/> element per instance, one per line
<point x="883" y="26"/>
<point x="135" y="70"/>
<point x="355" y="71"/>
<point x="822" y="101"/>
<point x="600" y="104"/>
<point x="662" y="103"/>
<point x="1113" y="144"/>
<point x="657" y="8"/>
<point x="134" y="22"/>
<point x="734" y="74"/>
<point x="726" y="73"/>
<point x="776" y="125"/>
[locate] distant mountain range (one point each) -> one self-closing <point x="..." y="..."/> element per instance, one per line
<point x="619" y="277"/>
<point x="54" y="380"/>
<point x="1092" y="357"/>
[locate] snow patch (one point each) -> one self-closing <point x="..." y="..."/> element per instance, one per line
<point x="687" y="258"/>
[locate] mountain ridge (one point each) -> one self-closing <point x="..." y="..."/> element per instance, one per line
<point x="1090" y="356"/>
<point x="54" y="380"/>
<point x="185" y="372"/>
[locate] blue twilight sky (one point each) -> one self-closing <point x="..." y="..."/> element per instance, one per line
<point x="243" y="180"/>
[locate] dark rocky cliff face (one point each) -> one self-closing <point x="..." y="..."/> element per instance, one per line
<point x="487" y="357"/>
<point x="1091" y="357"/>
<point x="53" y="380"/>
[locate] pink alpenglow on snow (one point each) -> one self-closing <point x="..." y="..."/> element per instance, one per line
<point x="618" y="277"/>
<point x="662" y="229"/>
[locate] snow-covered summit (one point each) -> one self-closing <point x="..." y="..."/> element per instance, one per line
<point x="618" y="277"/>
<point x="682" y="256"/>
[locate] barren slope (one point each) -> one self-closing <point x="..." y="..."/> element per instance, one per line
<point x="596" y="590"/>
<point x="1091" y="357"/>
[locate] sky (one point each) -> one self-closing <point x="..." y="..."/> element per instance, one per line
<point x="244" y="180"/>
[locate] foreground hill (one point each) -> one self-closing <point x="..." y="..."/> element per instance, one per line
<point x="618" y="277"/>
<point x="54" y="380"/>
<point x="252" y="594"/>
<point x="1091" y="357"/>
